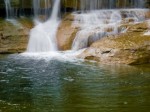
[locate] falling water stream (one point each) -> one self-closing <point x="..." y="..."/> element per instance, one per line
<point x="9" y="9"/>
<point x="101" y="23"/>
<point x="42" y="7"/>
<point x="43" y="81"/>
<point x="42" y="36"/>
<point x="94" y="22"/>
<point x="98" y="18"/>
<point x="110" y="4"/>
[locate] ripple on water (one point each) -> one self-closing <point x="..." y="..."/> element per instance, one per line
<point x="5" y="73"/>
<point x="7" y="81"/>
<point x="45" y="85"/>
<point x="70" y="79"/>
<point x="10" y="70"/>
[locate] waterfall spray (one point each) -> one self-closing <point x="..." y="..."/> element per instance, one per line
<point x="43" y="35"/>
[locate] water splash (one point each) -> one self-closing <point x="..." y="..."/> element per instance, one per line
<point x="100" y="23"/>
<point x="42" y="36"/>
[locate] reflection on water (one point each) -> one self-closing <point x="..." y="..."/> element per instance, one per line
<point x="30" y="85"/>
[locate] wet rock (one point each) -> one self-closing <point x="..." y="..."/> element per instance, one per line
<point x="147" y="15"/>
<point x="132" y="47"/>
<point x="71" y="4"/>
<point x="66" y="33"/>
<point x="14" y="37"/>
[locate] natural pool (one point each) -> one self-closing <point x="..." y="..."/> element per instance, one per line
<point x="33" y="84"/>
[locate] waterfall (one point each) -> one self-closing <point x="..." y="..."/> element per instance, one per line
<point x="101" y="18"/>
<point x="43" y="35"/>
<point x="101" y="23"/>
<point x="42" y="7"/>
<point x="56" y="9"/>
<point x="109" y="4"/>
<point x="95" y="25"/>
<point x="9" y="9"/>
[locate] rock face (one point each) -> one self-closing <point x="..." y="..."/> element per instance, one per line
<point x="66" y="33"/>
<point x="72" y="4"/>
<point x="14" y="38"/>
<point x="132" y="47"/>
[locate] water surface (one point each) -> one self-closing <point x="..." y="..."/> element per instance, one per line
<point x="58" y="85"/>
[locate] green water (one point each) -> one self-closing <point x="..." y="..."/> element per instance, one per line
<point x="53" y="85"/>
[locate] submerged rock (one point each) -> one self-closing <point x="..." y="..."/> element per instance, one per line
<point x="14" y="35"/>
<point x="132" y="47"/>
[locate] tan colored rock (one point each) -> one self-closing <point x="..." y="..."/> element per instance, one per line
<point x="72" y="4"/>
<point x="132" y="47"/>
<point x="147" y="15"/>
<point x="14" y="38"/>
<point x="66" y="33"/>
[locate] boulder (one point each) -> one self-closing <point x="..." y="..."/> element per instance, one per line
<point x="147" y="15"/>
<point x="132" y="47"/>
<point x="14" y="36"/>
<point x="66" y="33"/>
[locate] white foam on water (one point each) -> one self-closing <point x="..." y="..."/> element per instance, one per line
<point x="147" y="33"/>
<point x="63" y="56"/>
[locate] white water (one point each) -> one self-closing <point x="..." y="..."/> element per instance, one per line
<point x="9" y="9"/>
<point x="147" y="33"/>
<point x="85" y="5"/>
<point x="42" y="7"/>
<point x="110" y="4"/>
<point x="97" y="24"/>
<point x="70" y="56"/>
<point x="43" y="35"/>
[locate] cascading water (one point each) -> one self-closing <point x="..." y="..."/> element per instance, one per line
<point x="95" y="24"/>
<point x="42" y="36"/>
<point x="10" y="15"/>
<point x="110" y="4"/>
<point x="9" y="9"/>
<point x="42" y="7"/>
<point x="84" y="5"/>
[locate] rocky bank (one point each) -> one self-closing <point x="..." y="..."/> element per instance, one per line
<point x="132" y="47"/>
<point x="14" y="35"/>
